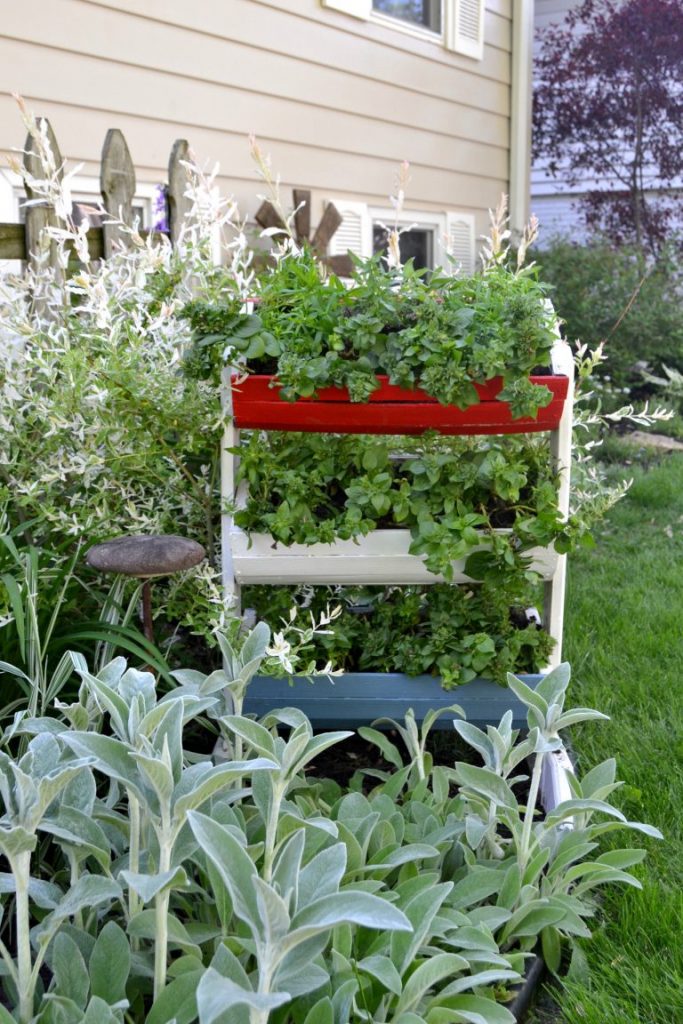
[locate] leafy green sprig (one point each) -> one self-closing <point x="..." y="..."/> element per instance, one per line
<point x="457" y="633"/>
<point x="449" y="492"/>
<point x="439" y="332"/>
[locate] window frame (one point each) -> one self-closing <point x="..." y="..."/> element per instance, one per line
<point x="450" y="37"/>
<point x="442" y="222"/>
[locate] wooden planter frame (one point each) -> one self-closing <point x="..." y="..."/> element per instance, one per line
<point x="390" y="410"/>
<point x="382" y="557"/>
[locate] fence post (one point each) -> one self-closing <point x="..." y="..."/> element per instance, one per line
<point x="41" y="215"/>
<point x="178" y="203"/>
<point x="117" y="184"/>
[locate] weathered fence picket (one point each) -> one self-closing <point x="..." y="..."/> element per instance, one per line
<point x="39" y="215"/>
<point x="117" y="186"/>
<point x="178" y="202"/>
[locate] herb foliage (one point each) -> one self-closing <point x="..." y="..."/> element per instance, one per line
<point x="441" y="333"/>
<point x="454" y="632"/>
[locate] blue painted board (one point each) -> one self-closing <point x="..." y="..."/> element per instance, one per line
<point x="357" y="698"/>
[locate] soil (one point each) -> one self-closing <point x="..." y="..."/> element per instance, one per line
<point x="342" y="760"/>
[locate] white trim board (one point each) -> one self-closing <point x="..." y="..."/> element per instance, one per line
<point x="380" y="557"/>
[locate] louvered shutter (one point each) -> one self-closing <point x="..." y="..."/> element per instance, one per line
<point x="355" y="231"/>
<point x="465" y="27"/>
<point x="357" y="8"/>
<point x="460" y="232"/>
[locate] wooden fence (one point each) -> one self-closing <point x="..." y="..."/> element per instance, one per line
<point x="117" y="185"/>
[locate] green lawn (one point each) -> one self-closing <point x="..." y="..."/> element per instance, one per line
<point x="624" y="640"/>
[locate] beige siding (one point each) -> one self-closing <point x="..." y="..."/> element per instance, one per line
<point x="336" y="101"/>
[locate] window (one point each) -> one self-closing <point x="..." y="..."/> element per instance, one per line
<point x="425" y="13"/>
<point x="427" y="237"/>
<point x="459" y="24"/>
<point x="91" y="208"/>
<point x="415" y="243"/>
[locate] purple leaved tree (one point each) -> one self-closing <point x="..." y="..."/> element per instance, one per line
<point x="608" y="109"/>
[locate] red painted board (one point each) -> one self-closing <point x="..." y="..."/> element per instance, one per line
<point x="391" y="410"/>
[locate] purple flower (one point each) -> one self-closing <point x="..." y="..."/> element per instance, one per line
<point x="160" y="209"/>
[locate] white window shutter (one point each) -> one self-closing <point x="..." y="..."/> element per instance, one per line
<point x="460" y="242"/>
<point x="355" y="231"/>
<point x="465" y="27"/>
<point x="356" y="8"/>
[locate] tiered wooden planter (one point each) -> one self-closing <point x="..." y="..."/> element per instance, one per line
<point x="390" y="410"/>
<point x="383" y="557"/>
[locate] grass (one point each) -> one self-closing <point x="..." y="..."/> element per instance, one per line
<point x="624" y="639"/>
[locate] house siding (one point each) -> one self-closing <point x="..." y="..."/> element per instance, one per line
<point x="552" y="200"/>
<point x="555" y="202"/>
<point x="336" y="101"/>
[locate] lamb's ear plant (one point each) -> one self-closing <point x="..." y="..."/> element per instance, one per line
<point x="88" y="988"/>
<point x="290" y="755"/>
<point x="228" y="686"/>
<point x="544" y="865"/>
<point x="288" y="916"/>
<point x="409" y="976"/>
<point x="30" y="788"/>
<point x="414" y="739"/>
<point x="145" y="755"/>
<point x="290" y="900"/>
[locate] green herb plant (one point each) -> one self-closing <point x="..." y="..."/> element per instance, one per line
<point x="441" y="332"/>
<point x="456" y="633"/>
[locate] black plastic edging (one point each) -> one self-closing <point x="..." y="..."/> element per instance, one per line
<point x="525" y="993"/>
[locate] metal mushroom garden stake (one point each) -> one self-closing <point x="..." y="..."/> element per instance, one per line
<point x="145" y="557"/>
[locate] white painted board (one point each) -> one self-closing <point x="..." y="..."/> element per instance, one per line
<point x="381" y="557"/>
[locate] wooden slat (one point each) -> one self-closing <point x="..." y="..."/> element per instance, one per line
<point x="329" y="222"/>
<point x="12" y="242"/>
<point x="268" y="217"/>
<point x="357" y="698"/>
<point x="178" y="177"/>
<point x="41" y="215"/>
<point x="341" y="265"/>
<point x="302" y="218"/>
<point x="117" y="184"/>
<point x="381" y="557"/>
